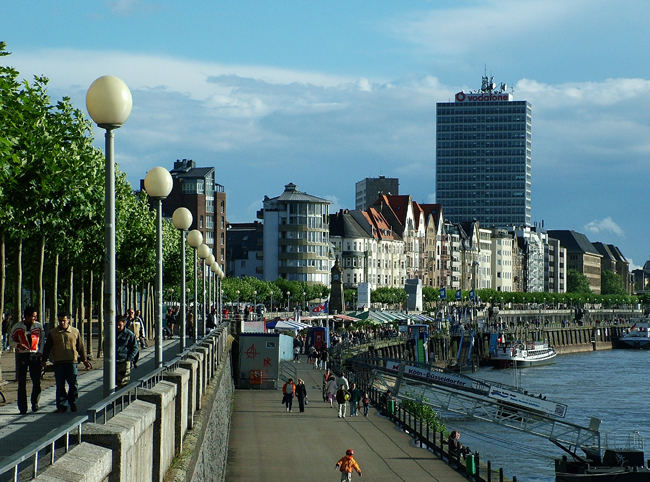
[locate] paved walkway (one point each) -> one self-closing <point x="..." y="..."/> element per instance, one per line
<point x="17" y="431"/>
<point x="267" y="443"/>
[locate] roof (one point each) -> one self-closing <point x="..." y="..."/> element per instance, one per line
<point x="604" y="250"/>
<point x="344" y="224"/>
<point x="291" y="194"/>
<point x="433" y="210"/>
<point x="196" y="172"/>
<point x="573" y="242"/>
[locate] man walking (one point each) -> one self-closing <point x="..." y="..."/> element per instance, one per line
<point x="342" y="396"/>
<point x="67" y="349"/>
<point x="355" y="398"/>
<point x="126" y="349"/>
<point x="28" y="336"/>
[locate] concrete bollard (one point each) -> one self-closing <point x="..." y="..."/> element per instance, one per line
<point x="163" y="396"/>
<point x="84" y="463"/>
<point x="200" y="376"/>
<point x="181" y="378"/>
<point x="192" y="366"/>
<point x="129" y="435"/>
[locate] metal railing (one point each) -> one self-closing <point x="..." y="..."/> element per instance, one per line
<point x="33" y="451"/>
<point x="101" y="412"/>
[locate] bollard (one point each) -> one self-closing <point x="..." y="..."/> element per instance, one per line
<point x="489" y="469"/>
<point x="500" y="474"/>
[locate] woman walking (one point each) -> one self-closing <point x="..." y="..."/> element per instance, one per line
<point x="301" y="394"/>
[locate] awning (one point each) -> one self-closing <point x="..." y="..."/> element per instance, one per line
<point x="286" y="325"/>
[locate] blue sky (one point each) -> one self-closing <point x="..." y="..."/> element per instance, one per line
<point x="323" y="94"/>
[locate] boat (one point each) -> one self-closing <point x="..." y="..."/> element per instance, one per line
<point x="624" y="463"/>
<point x="517" y="354"/>
<point x="637" y="336"/>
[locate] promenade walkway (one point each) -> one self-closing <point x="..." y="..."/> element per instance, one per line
<point x="268" y="443"/>
<point x="17" y="431"/>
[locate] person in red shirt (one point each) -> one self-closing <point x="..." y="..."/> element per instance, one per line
<point x="28" y="336"/>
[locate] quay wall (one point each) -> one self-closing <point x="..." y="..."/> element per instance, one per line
<point x="181" y="422"/>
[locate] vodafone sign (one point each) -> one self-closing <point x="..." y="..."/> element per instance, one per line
<point x="482" y="97"/>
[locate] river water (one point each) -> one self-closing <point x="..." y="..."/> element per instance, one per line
<point x="611" y="385"/>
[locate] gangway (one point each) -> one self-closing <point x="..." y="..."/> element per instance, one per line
<point x="484" y="400"/>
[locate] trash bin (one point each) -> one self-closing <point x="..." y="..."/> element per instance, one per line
<point x="470" y="468"/>
<point x="390" y="406"/>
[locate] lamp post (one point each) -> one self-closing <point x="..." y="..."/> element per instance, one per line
<point x="109" y="103"/>
<point x="204" y="252"/>
<point x="303" y="301"/>
<point x="237" y="299"/>
<point x="208" y="261"/>
<point x="271" y="301"/>
<point x="195" y="239"/>
<point x="215" y="291"/>
<point x="158" y="183"/>
<point x="288" y="301"/>
<point x="182" y="219"/>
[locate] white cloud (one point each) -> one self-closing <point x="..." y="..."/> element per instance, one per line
<point x="603" y="226"/>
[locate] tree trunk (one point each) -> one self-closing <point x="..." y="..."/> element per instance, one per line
<point x="41" y="305"/>
<point x="100" y="328"/>
<point x="71" y="298"/>
<point x="19" y="281"/>
<point x="89" y="338"/>
<point x="82" y="306"/>
<point x="55" y="291"/>
<point x="3" y="275"/>
<point x="121" y="298"/>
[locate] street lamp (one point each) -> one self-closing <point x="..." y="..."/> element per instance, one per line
<point x="255" y="303"/>
<point x="271" y="301"/>
<point x="158" y="183"/>
<point x="204" y="252"/>
<point x="182" y="219"/>
<point x="214" y="267"/>
<point x="288" y="301"/>
<point x="109" y="103"/>
<point x="208" y="261"/>
<point x="303" y="301"/>
<point x="195" y="239"/>
<point x="237" y="300"/>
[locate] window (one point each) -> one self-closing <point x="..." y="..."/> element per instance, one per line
<point x="223" y="222"/>
<point x="200" y="222"/>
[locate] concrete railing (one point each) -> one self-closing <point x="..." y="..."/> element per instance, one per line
<point x="135" y="434"/>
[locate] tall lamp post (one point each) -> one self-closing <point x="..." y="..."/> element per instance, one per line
<point x="195" y="239"/>
<point x="303" y="301"/>
<point x="271" y="301"/>
<point x="109" y="103"/>
<point x="204" y="252"/>
<point x="288" y="301"/>
<point x="158" y="183"/>
<point x="208" y="261"/>
<point x="214" y="267"/>
<point x="182" y="219"/>
<point x="255" y="303"/>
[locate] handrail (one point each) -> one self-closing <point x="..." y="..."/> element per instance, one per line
<point x="49" y="440"/>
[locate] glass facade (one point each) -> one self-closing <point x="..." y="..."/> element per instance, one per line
<point x="483" y="162"/>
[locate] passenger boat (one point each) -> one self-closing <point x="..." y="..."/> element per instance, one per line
<point x="637" y="337"/>
<point x="517" y="354"/>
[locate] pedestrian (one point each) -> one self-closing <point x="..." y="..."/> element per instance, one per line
<point x="212" y="319"/>
<point x="316" y="357"/>
<point x="189" y="320"/>
<point x="355" y="398"/>
<point x="366" y="404"/>
<point x="342" y="396"/>
<point x="331" y="391"/>
<point x="347" y="465"/>
<point x="324" y="356"/>
<point x="296" y="354"/>
<point x="456" y="448"/>
<point x="135" y="324"/>
<point x="169" y="322"/>
<point x="326" y="378"/>
<point x="344" y="381"/>
<point x="301" y="394"/>
<point x="28" y="336"/>
<point x="6" y="326"/>
<point x="288" y="392"/>
<point x="126" y="349"/>
<point x="67" y="349"/>
<point x="310" y="353"/>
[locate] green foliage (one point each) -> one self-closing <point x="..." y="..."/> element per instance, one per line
<point x="388" y="295"/>
<point x="426" y="413"/>
<point x="577" y="282"/>
<point x="611" y="283"/>
<point x="248" y="286"/>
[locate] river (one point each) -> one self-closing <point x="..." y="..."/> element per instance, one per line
<point x="611" y="385"/>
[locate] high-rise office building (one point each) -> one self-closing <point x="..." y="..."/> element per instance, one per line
<point x="369" y="189"/>
<point x="483" y="157"/>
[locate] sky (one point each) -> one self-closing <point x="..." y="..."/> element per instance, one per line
<point x="324" y="94"/>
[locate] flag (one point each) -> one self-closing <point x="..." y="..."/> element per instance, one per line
<point x="320" y="309"/>
<point x="443" y="293"/>
<point x="471" y="295"/>
<point x="459" y="294"/>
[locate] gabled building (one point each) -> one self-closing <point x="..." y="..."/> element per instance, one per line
<point x="556" y="267"/>
<point x="433" y="242"/>
<point x="502" y="262"/>
<point x="613" y="260"/>
<point x="406" y="219"/>
<point x="368" y="250"/>
<point x="582" y="256"/>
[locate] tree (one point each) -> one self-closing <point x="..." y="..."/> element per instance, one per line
<point x="577" y="282"/>
<point x="611" y="283"/>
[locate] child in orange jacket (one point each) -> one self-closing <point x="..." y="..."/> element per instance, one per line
<point x="347" y="465"/>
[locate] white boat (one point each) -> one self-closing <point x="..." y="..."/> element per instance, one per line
<point x="517" y="354"/>
<point x="638" y="336"/>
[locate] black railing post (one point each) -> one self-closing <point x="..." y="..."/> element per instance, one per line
<point x="489" y="470"/>
<point x="477" y="461"/>
<point x="500" y="474"/>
